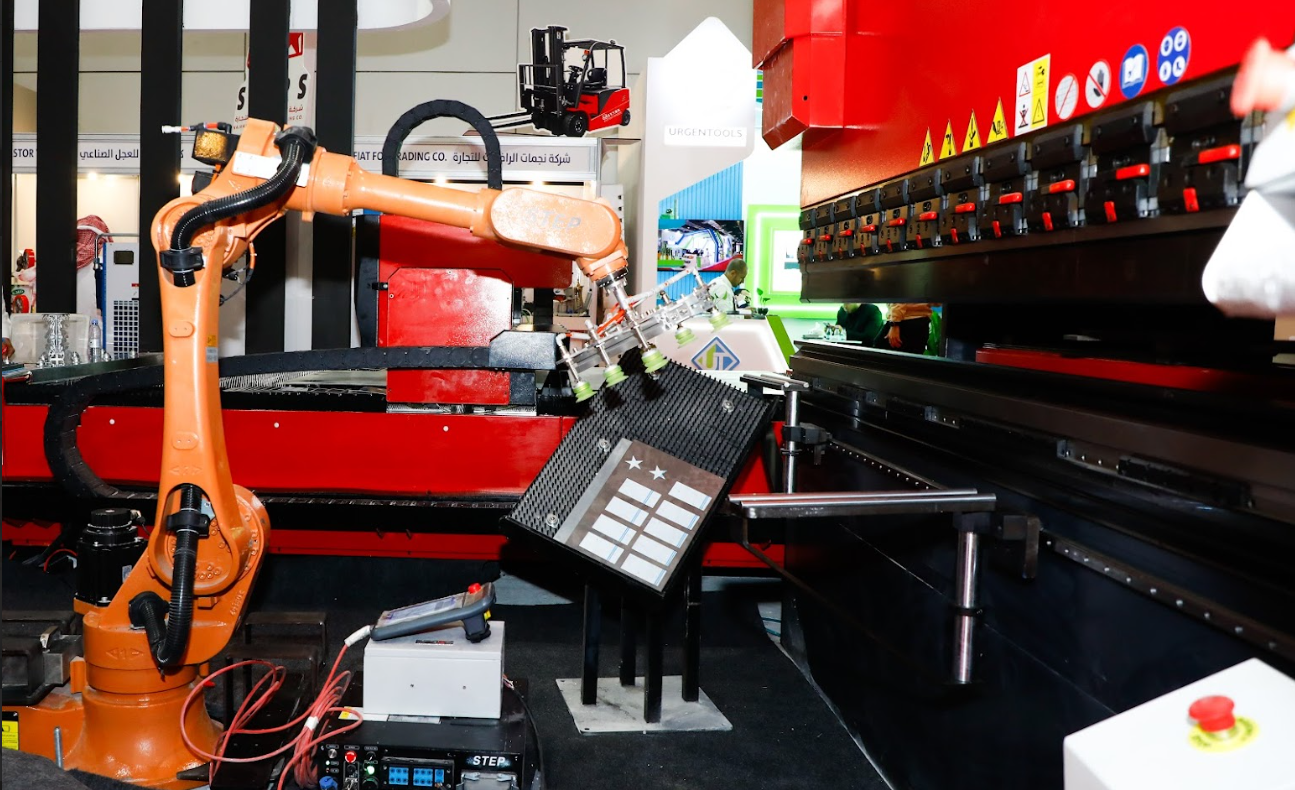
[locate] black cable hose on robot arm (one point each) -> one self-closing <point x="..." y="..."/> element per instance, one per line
<point x="169" y="638"/>
<point x="296" y="146"/>
<point x="366" y="279"/>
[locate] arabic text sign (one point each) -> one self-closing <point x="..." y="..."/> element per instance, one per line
<point x="468" y="160"/>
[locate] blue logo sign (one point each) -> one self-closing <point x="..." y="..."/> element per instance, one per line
<point x="716" y="356"/>
<point x="1133" y="71"/>
<point x="1175" y="53"/>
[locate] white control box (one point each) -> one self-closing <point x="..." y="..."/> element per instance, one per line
<point x="1158" y="745"/>
<point x="435" y="673"/>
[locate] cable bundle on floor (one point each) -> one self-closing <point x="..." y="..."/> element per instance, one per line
<point x="314" y="722"/>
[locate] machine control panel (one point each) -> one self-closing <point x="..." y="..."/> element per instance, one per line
<point x="1122" y="185"/>
<point x="845" y="229"/>
<point x="805" y="250"/>
<point x="1058" y="157"/>
<point x="868" y="210"/>
<point x="963" y="185"/>
<point x="431" y="754"/>
<point x="824" y="224"/>
<point x="926" y="191"/>
<point x="1207" y="153"/>
<point x="1005" y="169"/>
<point x="893" y="200"/>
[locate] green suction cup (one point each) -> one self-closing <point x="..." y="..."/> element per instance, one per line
<point x="583" y="391"/>
<point x="718" y="320"/>
<point x="613" y="375"/>
<point x="684" y="336"/>
<point x="653" y="360"/>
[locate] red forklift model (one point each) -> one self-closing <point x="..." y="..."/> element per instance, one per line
<point x="570" y="99"/>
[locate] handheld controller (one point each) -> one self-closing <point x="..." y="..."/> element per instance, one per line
<point x="472" y="607"/>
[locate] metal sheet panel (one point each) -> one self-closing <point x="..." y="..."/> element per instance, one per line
<point x="716" y="197"/>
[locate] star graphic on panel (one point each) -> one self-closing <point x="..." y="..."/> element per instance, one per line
<point x="658" y="473"/>
<point x="634" y="462"/>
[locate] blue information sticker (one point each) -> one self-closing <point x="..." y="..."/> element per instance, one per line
<point x="1174" y="55"/>
<point x="1133" y="71"/>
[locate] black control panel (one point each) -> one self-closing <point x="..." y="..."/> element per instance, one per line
<point x="431" y="754"/>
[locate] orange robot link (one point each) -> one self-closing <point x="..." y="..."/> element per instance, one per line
<point x="122" y="715"/>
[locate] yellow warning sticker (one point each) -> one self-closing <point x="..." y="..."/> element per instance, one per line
<point x="928" y="153"/>
<point x="997" y="129"/>
<point x="1243" y="732"/>
<point x="972" y="139"/>
<point x="1033" y="95"/>
<point x="948" y="148"/>
<point x="9" y="736"/>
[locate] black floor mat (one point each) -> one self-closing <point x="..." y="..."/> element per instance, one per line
<point x="783" y="735"/>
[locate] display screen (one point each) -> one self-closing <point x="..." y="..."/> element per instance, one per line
<point x="420" y="610"/>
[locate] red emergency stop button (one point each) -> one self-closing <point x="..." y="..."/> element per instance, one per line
<point x="474" y="588"/>
<point x="350" y="756"/>
<point x="1213" y="714"/>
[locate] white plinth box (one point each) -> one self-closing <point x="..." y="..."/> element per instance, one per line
<point x="435" y="673"/>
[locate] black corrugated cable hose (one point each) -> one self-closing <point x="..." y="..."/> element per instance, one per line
<point x="296" y="146"/>
<point x="168" y="639"/>
<point x="366" y="278"/>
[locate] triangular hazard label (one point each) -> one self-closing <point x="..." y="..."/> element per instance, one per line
<point x="948" y="148"/>
<point x="928" y="153"/>
<point x="998" y="129"/>
<point x="1037" y="116"/>
<point x="1024" y="90"/>
<point x="972" y="140"/>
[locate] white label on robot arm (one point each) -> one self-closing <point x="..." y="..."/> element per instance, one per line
<point x="257" y="166"/>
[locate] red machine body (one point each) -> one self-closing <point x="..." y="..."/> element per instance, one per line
<point x="866" y="82"/>
<point x="605" y="108"/>
<point x="359" y="453"/>
<point x="428" y="298"/>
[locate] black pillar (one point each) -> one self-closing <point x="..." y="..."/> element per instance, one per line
<point x="335" y="127"/>
<point x="6" y="142"/>
<point x="692" y="638"/>
<point x="160" y="68"/>
<point x="629" y="643"/>
<point x="593" y="633"/>
<point x="655" y="670"/>
<point x="267" y="88"/>
<point x="58" y="66"/>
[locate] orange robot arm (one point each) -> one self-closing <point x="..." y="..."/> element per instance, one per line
<point x="199" y="242"/>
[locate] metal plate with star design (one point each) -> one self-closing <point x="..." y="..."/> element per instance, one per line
<point x="641" y="512"/>
<point x="607" y="499"/>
